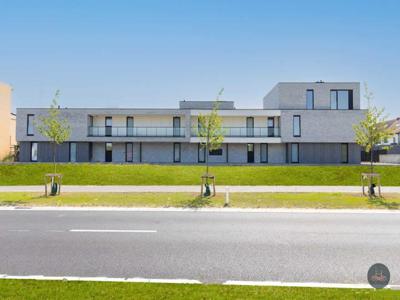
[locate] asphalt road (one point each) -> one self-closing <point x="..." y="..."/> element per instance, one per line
<point x="207" y="246"/>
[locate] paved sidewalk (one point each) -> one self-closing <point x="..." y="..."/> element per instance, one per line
<point x="196" y="189"/>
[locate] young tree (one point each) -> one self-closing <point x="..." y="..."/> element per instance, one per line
<point x="210" y="131"/>
<point x="373" y="129"/>
<point x="53" y="127"/>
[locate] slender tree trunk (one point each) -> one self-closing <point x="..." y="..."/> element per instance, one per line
<point x="54" y="157"/>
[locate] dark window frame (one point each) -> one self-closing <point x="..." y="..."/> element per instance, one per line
<point x="346" y="161"/>
<point x="28" y="123"/>
<point x="180" y="153"/>
<point x="266" y="146"/>
<point x="216" y="152"/>
<point x="200" y="148"/>
<point x="298" y="153"/>
<point x="350" y="99"/>
<point x="126" y="152"/>
<point x="313" y="99"/>
<point x="37" y="152"/>
<point x="108" y="132"/>
<point x="105" y="151"/>
<point x="76" y="154"/>
<point x="294" y="117"/>
<point x="128" y="132"/>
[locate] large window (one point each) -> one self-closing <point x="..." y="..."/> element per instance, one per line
<point x="129" y="152"/>
<point x="201" y="153"/>
<point x="72" y="152"/>
<point x="310" y="99"/>
<point x="29" y="124"/>
<point x="108" y="153"/>
<point x="177" y="152"/>
<point x="341" y="99"/>
<point x="264" y="153"/>
<point x="344" y="153"/>
<point x="296" y="126"/>
<point x="34" y="151"/>
<point x="216" y="152"/>
<point x="108" y="124"/>
<point x="295" y="153"/>
<point x="129" y="126"/>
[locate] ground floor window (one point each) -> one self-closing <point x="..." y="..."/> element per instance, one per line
<point x="201" y="153"/>
<point x="264" y="153"/>
<point x="129" y="152"/>
<point x="250" y="153"/>
<point x="72" y="152"/>
<point x="216" y="152"/>
<point x="344" y="153"/>
<point x="90" y="151"/>
<point x="34" y="151"/>
<point x="177" y="152"/>
<point x="108" y="152"/>
<point x="295" y="153"/>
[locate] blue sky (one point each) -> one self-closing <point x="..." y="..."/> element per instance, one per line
<point x="155" y="53"/>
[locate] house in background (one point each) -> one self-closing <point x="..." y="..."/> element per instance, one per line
<point x="7" y="122"/>
<point x="308" y="122"/>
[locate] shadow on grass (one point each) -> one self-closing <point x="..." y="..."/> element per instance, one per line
<point x="381" y="202"/>
<point x="197" y="202"/>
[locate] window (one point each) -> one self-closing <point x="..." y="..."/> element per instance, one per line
<point x="34" y="151"/>
<point x="108" y="152"/>
<point x="295" y="153"/>
<point x="108" y="124"/>
<point x="177" y="152"/>
<point x="271" y="126"/>
<point x="344" y="153"/>
<point x="310" y="99"/>
<point x="129" y="152"/>
<point x="250" y="126"/>
<point x="29" y="124"/>
<point x="176" y="123"/>
<point x="72" y="152"/>
<point x="264" y="153"/>
<point x="90" y="151"/>
<point x="129" y="126"/>
<point x="201" y="153"/>
<point x="342" y="99"/>
<point x="216" y="152"/>
<point x="296" y="126"/>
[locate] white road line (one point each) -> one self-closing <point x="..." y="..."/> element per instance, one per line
<point x="205" y="210"/>
<point x="300" y="284"/>
<point x="101" y="279"/>
<point x="19" y="230"/>
<point x="113" y="230"/>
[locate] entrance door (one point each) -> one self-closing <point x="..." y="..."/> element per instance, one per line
<point x="177" y="126"/>
<point x="129" y="152"/>
<point x="108" y="152"/>
<point x="250" y="153"/>
<point x="250" y="126"/>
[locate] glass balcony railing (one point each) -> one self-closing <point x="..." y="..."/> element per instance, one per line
<point x="136" y="131"/>
<point x="246" y="131"/>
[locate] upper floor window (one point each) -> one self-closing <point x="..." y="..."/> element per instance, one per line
<point x="341" y="99"/>
<point x="296" y="126"/>
<point x="29" y="124"/>
<point x="310" y="99"/>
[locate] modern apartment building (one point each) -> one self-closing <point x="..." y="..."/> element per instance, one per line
<point x="307" y="123"/>
<point x="7" y="122"/>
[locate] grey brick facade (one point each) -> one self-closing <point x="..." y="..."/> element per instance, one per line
<point x="169" y="135"/>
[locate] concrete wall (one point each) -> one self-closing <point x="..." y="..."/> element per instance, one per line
<point x="389" y="158"/>
<point x="292" y="95"/>
<point x="323" y="126"/>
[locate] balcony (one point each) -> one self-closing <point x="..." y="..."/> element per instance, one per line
<point x="135" y="131"/>
<point x="246" y="132"/>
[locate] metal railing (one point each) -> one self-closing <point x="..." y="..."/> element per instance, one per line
<point x="136" y="131"/>
<point x="246" y="131"/>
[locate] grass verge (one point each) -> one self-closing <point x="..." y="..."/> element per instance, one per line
<point x="31" y="289"/>
<point x="192" y="200"/>
<point x="112" y="174"/>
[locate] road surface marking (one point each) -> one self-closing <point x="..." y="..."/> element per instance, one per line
<point x="113" y="230"/>
<point x="19" y="230"/>
<point x="103" y="279"/>
<point x="300" y="284"/>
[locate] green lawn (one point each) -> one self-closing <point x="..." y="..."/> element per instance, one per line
<point x="192" y="200"/>
<point x="112" y="174"/>
<point x="31" y="289"/>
